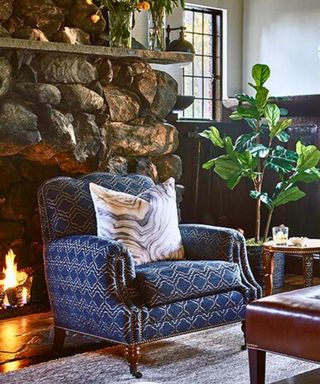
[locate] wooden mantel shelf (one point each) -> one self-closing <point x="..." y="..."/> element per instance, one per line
<point x="149" y="56"/>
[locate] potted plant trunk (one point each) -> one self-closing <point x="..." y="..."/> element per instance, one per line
<point x="260" y="150"/>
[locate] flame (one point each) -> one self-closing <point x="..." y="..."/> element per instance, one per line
<point x="11" y="271"/>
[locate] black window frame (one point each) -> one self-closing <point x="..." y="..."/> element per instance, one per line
<point x="217" y="55"/>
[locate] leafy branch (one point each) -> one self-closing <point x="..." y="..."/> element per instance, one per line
<point x="249" y="157"/>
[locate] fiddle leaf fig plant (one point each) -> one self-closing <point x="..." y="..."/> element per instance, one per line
<point x="260" y="150"/>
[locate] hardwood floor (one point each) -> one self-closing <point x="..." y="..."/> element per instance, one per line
<point x="27" y="340"/>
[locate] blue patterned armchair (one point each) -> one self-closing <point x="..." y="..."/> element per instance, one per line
<point x="95" y="288"/>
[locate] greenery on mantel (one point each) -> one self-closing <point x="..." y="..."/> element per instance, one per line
<point x="258" y="151"/>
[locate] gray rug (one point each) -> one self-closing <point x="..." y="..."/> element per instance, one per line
<point x="211" y="356"/>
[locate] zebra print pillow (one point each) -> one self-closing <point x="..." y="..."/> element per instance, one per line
<point x="147" y="224"/>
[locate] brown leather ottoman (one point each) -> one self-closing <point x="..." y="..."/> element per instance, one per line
<point x="286" y="323"/>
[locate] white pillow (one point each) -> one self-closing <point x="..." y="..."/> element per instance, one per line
<point x="147" y="224"/>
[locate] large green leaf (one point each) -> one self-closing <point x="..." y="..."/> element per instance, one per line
<point x="229" y="170"/>
<point x="282" y="160"/>
<point x="309" y="156"/>
<point x="261" y="97"/>
<point x="272" y="114"/>
<point x="259" y="150"/>
<point x="280" y="127"/>
<point x="248" y="112"/>
<point x="236" y="116"/>
<point x="283" y="136"/>
<point x="260" y="74"/>
<point x="209" y="164"/>
<point x="307" y="176"/>
<point x="291" y="194"/>
<point x="263" y="197"/>
<point x="284" y="112"/>
<point x="213" y="134"/>
<point x="246" y="98"/>
<point x="245" y="141"/>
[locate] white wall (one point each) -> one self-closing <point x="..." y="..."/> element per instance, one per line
<point x="233" y="40"/>
<point x="285" y="34"/>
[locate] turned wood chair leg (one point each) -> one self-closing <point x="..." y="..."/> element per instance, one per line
<point x="243" y="329"/>
<point x="58" y="339"/>
<point x="132" y="354"/>
<point x="257" y="366"/>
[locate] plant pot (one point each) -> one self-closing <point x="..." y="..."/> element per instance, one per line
<point x="255" y="256"/>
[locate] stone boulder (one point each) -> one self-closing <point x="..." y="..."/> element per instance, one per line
<point x="70" y="35"/>
<point x="4" y="32"/>
<point x="166" y="96"/>
<point x="145" y="166"/>
<point x="57" y="134"/>
<point x="145" y="85"/>
<point x="123" y="104"/>
<point x="168" y="166"/>
<point x="18" y="128"/>
<point x="116" y="165"/>
<point x="5" y="76"/>
<point x="76" y="97"/>
<point x="87" y="137"/>
<point x="41" y="14"/>
<point x="80" y="16"/>
<point x="28" y="33"/>
<point x="64" y="3"/>
<point x="6" y="9"/>
<point x="53" y="68"/>
<point x="13" y="24"/>
<point x="134" y="140"/>
<point x="39" y="92"/>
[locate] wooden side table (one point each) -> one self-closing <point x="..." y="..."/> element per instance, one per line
<point x="307" y="252"/>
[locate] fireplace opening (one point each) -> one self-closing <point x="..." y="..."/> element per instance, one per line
<point x="22" y="288"/>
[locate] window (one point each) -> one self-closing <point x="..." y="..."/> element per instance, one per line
<point x="203" y="78"/>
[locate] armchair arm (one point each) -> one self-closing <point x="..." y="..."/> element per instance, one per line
<point x="105" y="264"/>
<point x="205" y="242"/>
<point x="89" y="282"/>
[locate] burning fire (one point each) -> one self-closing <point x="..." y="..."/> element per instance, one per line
<point x="14" y="285"/>
<point x="11" y="271"/>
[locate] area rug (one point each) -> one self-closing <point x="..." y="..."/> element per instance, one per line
<point x="211" y="356"/>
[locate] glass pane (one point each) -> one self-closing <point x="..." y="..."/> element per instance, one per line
<point x="189" y="37"/>
<point x="208" y="88"/>
<point x="188" y="88"/>
<point x="188" y="113"/>
<point x="198" y="66"/>
<point x="207" y="66"/>
<point x="198" y="44"/>
<point x="197" y="22"/>
<point x="207" y="24"/>
<point x="188" y="20"/>
<point x="207" y="44"/>
<point x="187" y="70"/>
<point x="198" y="87"/>
<point x="207" y="109"/>
<point x="197" y="109"/>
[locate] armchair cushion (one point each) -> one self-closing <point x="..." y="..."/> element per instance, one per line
<point x="147" y="224"/>
<point x="167" y="282"/>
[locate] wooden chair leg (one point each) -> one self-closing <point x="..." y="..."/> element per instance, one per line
<point x="132" y="354"/>
<point x="243" y="329"/>
<point x="257" y="366"/>
<point x="58" y="339"/>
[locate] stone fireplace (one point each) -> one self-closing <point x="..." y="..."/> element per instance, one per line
<point x="73" y="109"/>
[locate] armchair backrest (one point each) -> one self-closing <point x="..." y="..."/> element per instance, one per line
<point x="66" y="207"/>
